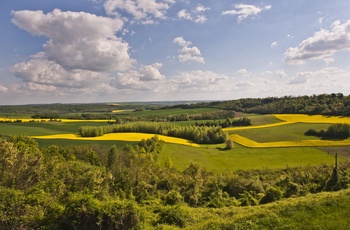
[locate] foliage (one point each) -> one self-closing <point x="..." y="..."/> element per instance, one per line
<point x="200" y="135"/>
<point x="92" y="187"/>
<point x="334" y="131"/>
<point x="325" y="104"/>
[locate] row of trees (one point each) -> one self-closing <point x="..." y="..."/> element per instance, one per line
<point x="228" y="123"/>
<point x="97" y="187"/>
<point x="326" y="104"/>
<point x="200" y="135"/>
<point x="334" y="131"/>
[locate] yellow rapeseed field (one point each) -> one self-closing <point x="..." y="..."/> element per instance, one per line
<point x="276" y="144"/>
<point x="120" y="137"/>
<point x="303" y="118"/>
<point x="47" y="120"/>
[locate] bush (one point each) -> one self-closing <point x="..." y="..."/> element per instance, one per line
<point x="173" y="216"/>
<point x="338" y="131"/>
<point x="272" y="194"/>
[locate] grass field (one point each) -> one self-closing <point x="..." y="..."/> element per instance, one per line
<point x="212" y="158"/>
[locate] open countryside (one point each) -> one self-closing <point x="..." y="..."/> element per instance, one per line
<point x="234" y="159"/>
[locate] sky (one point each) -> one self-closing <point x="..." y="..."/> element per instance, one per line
<point x="82" y="51"/>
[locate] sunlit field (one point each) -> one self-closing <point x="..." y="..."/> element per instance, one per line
<point x="312" y="118"/>
<point x="119" y="137"/>
<point x="299" y="143"/>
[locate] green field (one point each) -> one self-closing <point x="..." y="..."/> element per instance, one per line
<point x="287" y="132"/>
<point x="243" y="158"/>
<point x="212" y="157"/>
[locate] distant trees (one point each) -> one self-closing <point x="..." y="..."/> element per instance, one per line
<point x="334" y="131"/>
<point x="244" y="121"/>
<point x="200" y="135"/>
<point x="45" y="115"/>
<point x="326" y="104"/>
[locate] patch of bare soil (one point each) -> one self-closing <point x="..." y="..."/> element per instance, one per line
<point x="343" y="151"/>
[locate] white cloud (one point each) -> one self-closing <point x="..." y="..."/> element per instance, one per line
<point x="322" y="45"/>
<point x="183" y="14"/>
<point x="196" y="16"/>
<point x="78" y="40"/>
<point x="243" y="72"/>
<point x="279" y="73"/>
<point x="143" y="11"/>
<point x="181" y="41"/>
<point x="81" y="52"/>
<point x="3" y="89"/>
<point x="201" y="81"/>
<point x="188" y="53"/>
<point x="151" y="72"/>
<point x="147" y="77"/>
<point x="244" y="11"/>
<point x="274" y="44"/>
<point x="46" y="72"/>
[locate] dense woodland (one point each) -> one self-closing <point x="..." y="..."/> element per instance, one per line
<point x="95" y="187"/>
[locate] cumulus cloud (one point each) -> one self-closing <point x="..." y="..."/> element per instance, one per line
<point x="151" y="72"/>
<point x="78" y="40"/>
<point x="196" y="15"/>
<point x="188" y="52"/>
<point x="147" y="77"/>
<point x="46" y="72"/>
<point x="142" y="11"/>
<point x="244" y="11"/>
<point x="81" y="51"/>
<point x="322" y="45"/>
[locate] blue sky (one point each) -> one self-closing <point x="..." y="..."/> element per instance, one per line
<point x="61" y="51"/>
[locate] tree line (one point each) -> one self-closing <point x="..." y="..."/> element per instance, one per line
<point x="324" y="104"/>
<point x="199" y="135"/>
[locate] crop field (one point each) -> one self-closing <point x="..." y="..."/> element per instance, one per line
<point x="272" y="141"/>
<point x="243" y="158"/>
<point x="133" y="137"/>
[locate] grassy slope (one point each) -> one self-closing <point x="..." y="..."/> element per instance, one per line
<point x="328" y="210"/>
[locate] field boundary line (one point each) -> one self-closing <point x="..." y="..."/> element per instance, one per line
<point x="258" y="126"/>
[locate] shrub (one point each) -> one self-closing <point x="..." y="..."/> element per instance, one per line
<point x="175" y="215"/>
<point x="272" y="194"/>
